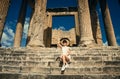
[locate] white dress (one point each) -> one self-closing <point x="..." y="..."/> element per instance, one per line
<point x="65" y="51"/>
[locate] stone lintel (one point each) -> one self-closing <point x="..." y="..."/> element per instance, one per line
<point x="64" y="9"/>
<point x="61" y="13"/>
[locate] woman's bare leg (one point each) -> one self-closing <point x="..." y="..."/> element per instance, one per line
<point x="64" y="59"/>
<point x="65" y="64"/>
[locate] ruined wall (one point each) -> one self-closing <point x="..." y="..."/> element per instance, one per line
<point x="59" y="34"/>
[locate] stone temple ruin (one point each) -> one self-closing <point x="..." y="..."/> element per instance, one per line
<point x="87" y="27"/>
<point x="90" y="60"/>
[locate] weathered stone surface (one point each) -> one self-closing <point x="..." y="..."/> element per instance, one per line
<point x="57" y="35"/>
<point x="4" y="5"/>
<point x="95" y="22"/>
<point x="38" y="76"/>
<point x="40" y="33"/>
<point x="86" y="36"/>
<point x="39" y="63"/>
<point x="86" y="63"/>
<point x="37" y="24"/>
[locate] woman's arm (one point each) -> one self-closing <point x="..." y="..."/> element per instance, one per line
<point x="59" y="45"/>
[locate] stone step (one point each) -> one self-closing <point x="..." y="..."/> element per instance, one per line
<point x="58" y="50"/>
<point x="57" y="76"/>
<point x="51" y="63"/>
<point x="56" y="70"/>
<point x="58" y="53"/>
<point x="80" y="76"/>
<point x="56" y="64"/>
<point x="73" y="48"/>
<point x="53" y="58"/>
<point x="53" y="49"/>
<point x="39" y="63"/>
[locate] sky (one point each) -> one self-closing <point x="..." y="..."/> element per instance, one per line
<point x="63" y="22"/>
<point x="59" y="22"/>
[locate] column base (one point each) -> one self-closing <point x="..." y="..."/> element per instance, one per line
<point x="35" y="43"/>
<point x="87" y="43"/>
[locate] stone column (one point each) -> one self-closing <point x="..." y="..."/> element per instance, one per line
<point x="4" y="5"/>
<point x="77" y="28"/>
<point x="29" y="29"/>
<point x="48" y="31"/>
<point x="95" y="22"/>
<point x="85" y="23"/>
<point x="107" y="23"/>
<point x="20" y="24"/>
<point x="31" y="3"/>
<point x="38" y="22"/>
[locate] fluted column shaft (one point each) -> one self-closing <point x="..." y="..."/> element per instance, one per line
<point x="107" y="23"/>
<point x="4" y="5"/>
<point x="85" y="23"/>
<point x="37" y="24"/>
<point x="20" y="24"/>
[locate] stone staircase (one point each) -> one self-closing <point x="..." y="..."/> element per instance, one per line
<point x="40" y="63"/>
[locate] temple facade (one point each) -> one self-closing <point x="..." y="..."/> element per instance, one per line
<point x="87" y="30"/>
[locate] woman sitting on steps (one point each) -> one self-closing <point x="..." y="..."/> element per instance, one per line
<point x="65" y="56"/>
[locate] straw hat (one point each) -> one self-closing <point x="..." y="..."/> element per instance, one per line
<point x="65" y="39"/>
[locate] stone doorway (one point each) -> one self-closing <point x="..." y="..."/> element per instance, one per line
<point x="63" y="27"/>
<point x="53" y="36"/>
